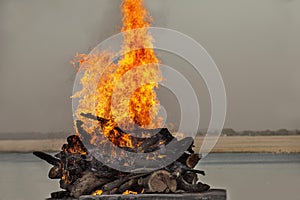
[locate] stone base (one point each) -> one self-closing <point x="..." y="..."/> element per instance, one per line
<point x="213" y="194"/>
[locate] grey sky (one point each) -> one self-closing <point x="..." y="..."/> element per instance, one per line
<point x="255" y="43"/>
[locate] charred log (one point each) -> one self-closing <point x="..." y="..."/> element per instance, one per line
<point x="86" y="184"/>
<point x="159" y="181"/>
<point x="190" y="177"/>
<point x="60" y="194"/>
<point x="190" y="188"/>
<point x="55" y="172"/>
<point x="192" y="160"/>
<point x="131" y="185"/>
<point x="156" y="137"/>
<point x="48" y="158"/>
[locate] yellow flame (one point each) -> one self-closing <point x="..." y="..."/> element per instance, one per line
<point x="97" y="192"/>
<point x="129" y="192"/>
<point x="116" y="85"/>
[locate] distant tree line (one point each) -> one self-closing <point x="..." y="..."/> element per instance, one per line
<point x="225" y="132"/>
<point x="280" y="132"/>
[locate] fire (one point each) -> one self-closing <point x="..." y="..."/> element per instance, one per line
<point x="97" y="192"/>
<point x="129" y="192"/>
<point x="133" y="192"/>
<point x="144" y="98"/>
<point x="125" y="93"/>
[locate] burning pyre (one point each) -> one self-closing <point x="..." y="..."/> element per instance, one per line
<point x="80" y="173"/>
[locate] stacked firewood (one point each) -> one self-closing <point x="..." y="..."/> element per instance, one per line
<point x="82" y="174"/>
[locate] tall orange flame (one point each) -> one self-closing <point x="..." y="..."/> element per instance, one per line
<point x="125" y="92"/>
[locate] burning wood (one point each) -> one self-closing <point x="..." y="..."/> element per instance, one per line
<point x="156" y="137"/>
<point x="76" y="166"/>
<point x="81" y="174"/>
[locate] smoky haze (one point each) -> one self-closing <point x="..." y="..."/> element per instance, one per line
<point x="255" y="44"/>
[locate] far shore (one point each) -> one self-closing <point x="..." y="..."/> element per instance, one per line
<point x="255" y="144"/>
<point x="234" y="144"/>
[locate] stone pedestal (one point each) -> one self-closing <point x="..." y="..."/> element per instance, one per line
<point x="213" y="194"/>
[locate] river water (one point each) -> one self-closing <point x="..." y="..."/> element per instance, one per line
<point x="250" y="176"/>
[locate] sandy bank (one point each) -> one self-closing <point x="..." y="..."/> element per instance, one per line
<point x="273" y="144"/>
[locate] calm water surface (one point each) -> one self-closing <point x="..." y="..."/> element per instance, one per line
<point x="245" y="176"/>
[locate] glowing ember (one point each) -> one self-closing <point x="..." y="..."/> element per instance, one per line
<point x="97" y="192"/>
<point x="125" y="85"/>
<point x="129" y="192"/>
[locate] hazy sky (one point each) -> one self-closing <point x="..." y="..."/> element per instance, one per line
<point x="255" y="44"/>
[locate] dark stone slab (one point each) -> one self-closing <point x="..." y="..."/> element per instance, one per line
<point x="214" y="194"/>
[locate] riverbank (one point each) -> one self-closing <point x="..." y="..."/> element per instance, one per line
<point x="255" y="144"/>
<point x="233" y="144"/>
